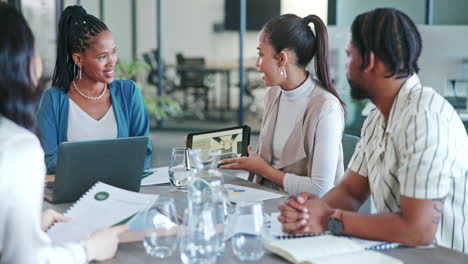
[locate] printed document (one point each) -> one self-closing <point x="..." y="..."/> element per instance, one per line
<point x="238" y="193"/>
<point x="157" y="176"/>
<point x="101" y="207"/>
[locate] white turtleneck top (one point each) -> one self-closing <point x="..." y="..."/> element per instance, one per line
<point x="327" y="141"/>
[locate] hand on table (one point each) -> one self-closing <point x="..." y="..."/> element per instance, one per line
<point x="305" y="213"/>
<point x="103" y="243"/>
<point x="49" y="217"/>
<point x="253" y="163"/>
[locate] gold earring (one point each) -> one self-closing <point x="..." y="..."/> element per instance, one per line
<point x="284" y="74"/>
<point x="79" y="69"/>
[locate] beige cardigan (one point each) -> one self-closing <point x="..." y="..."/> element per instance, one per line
<point x="298" y="151"/>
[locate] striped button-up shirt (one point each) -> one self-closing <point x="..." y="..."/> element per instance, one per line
<point x="422" y="153"/>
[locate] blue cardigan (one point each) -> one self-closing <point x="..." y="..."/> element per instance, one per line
<point x="129" y="109"/>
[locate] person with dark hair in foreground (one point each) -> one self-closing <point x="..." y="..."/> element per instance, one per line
<point x="412" y="157"/>
<point x="300" y="138"/>
<point x="22" y="170"/>
<point x="85" y="102"/>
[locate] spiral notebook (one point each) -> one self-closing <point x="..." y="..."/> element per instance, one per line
<point x="100" y="207"/>
<point x="327" y="249"/>
<point x="277" y="233"/>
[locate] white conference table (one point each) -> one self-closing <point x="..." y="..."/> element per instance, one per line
<point x="135" y="252"/>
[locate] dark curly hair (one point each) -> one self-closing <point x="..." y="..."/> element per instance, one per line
<point x="76" y="29"/>
<point x="392" y="36"/>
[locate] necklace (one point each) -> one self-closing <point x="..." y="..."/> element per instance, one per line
<point x="89" y="97"/>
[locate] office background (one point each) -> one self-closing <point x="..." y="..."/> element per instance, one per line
<point x="204" y="33"/>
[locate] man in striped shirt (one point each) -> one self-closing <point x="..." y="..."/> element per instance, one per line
<point x="413" y="154"/>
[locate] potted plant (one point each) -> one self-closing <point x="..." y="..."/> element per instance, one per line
<point x="158" y="107"/>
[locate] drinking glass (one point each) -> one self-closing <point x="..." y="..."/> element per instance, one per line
<point x="198" y="238"/>
<point x="180" y="171"/>
<point x="161" y="228"/>
<point x="222" y="211"/>
<point x="248" y="231"/>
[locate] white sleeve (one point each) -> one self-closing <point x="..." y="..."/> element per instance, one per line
<point x="428" y="151"/>
<point x="326" y="155"/>
<point x="23" y="240"/>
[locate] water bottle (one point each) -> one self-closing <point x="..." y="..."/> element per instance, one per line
<point x="206" y="170"/>
<point x="198" y="238"/>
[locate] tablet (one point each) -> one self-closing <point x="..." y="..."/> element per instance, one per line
<point x="232" y="141"/>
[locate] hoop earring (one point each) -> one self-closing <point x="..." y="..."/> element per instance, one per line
<point x="79" y="70"/>
<point x="283" y="72"/>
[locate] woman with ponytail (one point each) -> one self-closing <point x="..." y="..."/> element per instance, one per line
<point x="22" y="171"/>
<point x="85" y="102"/>
<point x="300" y="139"/>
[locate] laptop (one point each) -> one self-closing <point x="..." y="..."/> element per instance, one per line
<point x="118" y="162"/>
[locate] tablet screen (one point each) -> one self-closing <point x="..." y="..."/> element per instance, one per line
<point x="231" y="142"/>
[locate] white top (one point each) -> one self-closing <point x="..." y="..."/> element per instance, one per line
<point x="421" y="152"/>
<point x="291" y="106"/>
<point x="82" y="127"/>
<point x="329" y="131"/>
<point x="22" y="172"/>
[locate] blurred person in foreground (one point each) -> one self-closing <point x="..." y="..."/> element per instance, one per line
<point x="22" y="170"/>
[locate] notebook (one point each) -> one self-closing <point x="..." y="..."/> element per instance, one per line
<point x="327" y="249"/>
<point x="277" y="233"/>
<point x="101" y="207"/>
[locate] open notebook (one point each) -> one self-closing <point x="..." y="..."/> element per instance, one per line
<point x="327" y="249"/>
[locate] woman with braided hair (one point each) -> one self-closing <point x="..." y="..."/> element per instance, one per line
<point x="85" y="102"/>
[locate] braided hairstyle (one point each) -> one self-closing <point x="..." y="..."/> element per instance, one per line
<point x="392" y="36"/>
<point x="292" y="32"/>
<point x="19" y="94"/>
<point x="76" y="30"/>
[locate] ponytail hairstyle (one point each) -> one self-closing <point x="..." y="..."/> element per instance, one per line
<point x="19" y="93"/>
<point x="76" y="29"/>
<point x="292" y="32"/>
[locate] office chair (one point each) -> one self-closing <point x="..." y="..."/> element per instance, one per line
<point x="349" y="143"/>
<point x="192" y="75"/>
<point x="150" y="58"/>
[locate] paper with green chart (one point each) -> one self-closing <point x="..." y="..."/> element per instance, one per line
<point x="101" y="207"/>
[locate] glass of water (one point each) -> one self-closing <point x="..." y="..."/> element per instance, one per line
<point x="248" y="231"/>
<point x="161" y="233"/>
<point x="180" y="171"/>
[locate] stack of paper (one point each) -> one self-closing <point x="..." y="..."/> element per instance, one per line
<point x="239" y="193"/>
<point x="157" y="176"/>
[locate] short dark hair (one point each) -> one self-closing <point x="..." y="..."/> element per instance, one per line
<point x="19" y="95"/>
<point x="292" y="32"/>
<point x="76" y="28"/>
<point x="392" y="36"/>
